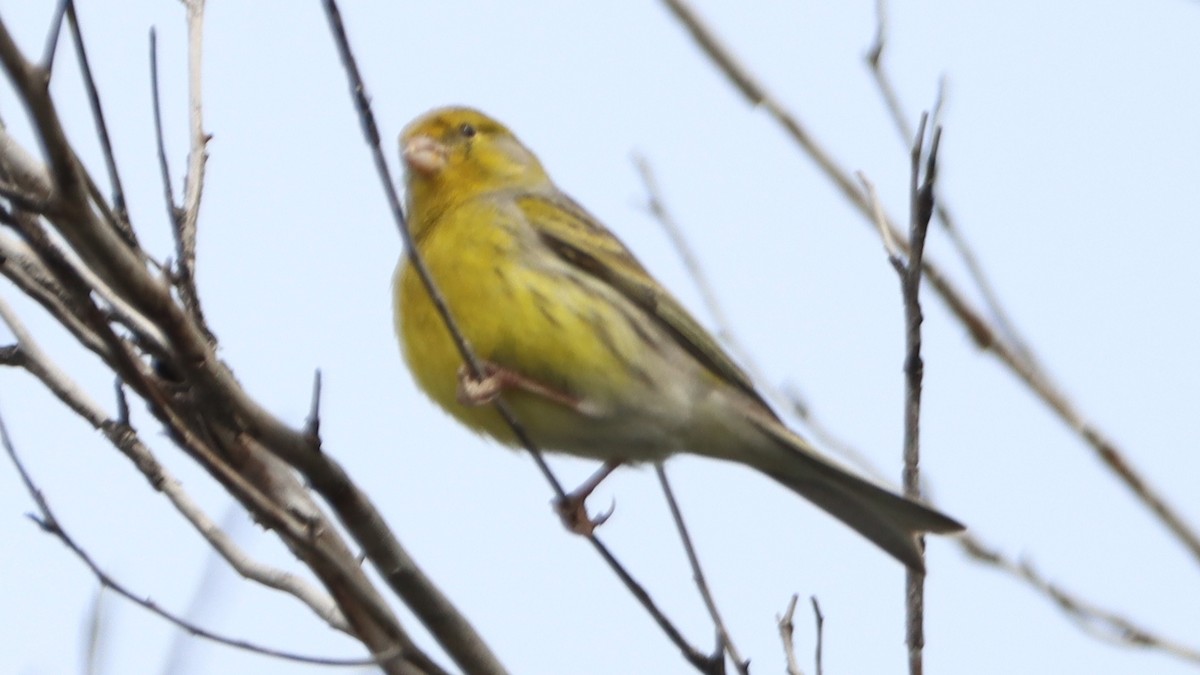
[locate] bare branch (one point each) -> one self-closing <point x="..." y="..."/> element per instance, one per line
<point x="212" y="419"/>
<point x="52" y="37"/>
<point x="121" y="216"/>
<point x="921" y="209"/>
<point x="699" y="660"/>
<point x="1101" y="623"/>
<point x="125" y="439"/>
<point x="1097" y="621"/>
<point x="26" y="177"/>
<point x="874" y="57"/>
<point x="921" y="200"/>
<point x="787" y="633"/>
<point x="449" y="627"/>
<point x="904" y="129"/>
<point x="194" y="360"/>
<point x="122" y="403"/>
<point x="725" y="642"/>
<point x="820" y="618"/>
<point x="164" y="167"/>
<point x="100" y="245"/>
<point x="34" y="81"/>
<point x="193" y="183"/>
<point x="987" y="336"/>
<point x="1138" y="635"/>
<point x="52" y="526"/>
<point x="66" y="277"/>
<point x="22" y="199"/>
<point x="312" y="426"/>
<point x="213" y="384"/>
<point x="26" y="270"/>
<point x="895" y="255"/>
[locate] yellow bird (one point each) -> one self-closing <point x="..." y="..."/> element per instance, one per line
<point x="595" y="358"/>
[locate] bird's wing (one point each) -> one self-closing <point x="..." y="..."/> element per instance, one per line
<point x="581" y="241"/>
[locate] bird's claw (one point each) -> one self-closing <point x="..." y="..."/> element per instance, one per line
<point x="481" y="390"/>
<point x="572" y="509"/>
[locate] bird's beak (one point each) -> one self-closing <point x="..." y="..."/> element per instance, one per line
<point x="424" y="155"/>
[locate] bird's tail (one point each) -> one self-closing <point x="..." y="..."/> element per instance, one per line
<point x="890" y="521"/>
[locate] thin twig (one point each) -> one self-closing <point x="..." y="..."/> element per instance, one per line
<point x="312" y="425"/>
<point x="820" y="620"/>
<point x="726" y="642"/>
<point x="122" y="403"/>
<point x="110" y="161"/>
<point x="1086" y="613"/>
<point x="921" y="200"/>
<point x="895" y="254"/>
<point x="124" y="438"/>
<point x="787" y="634"/>
<point x="216" y="403"/>
<point x="197" y="159"/>
<point x="1101" y="623"/>
<point x="46" y="520"/>
<point x="51" y="256"/>
<point x="164" y="166"/>
<point x="66" y="179"/>
<point x="329" y="563"/>
<point x="781" y="396"/>
<point x="183" y="218"/>
<point x="51" y="47"/>
<point x="982" y="331"/>
<point x="904" y="130"/>
<point x="74" y="291"/>
<point x="25" y="269"/>
<point x="358" y="93"/>
<point x="125" y="270"/>
<point x="874" y="59"/>
<point x="698" y="659"/>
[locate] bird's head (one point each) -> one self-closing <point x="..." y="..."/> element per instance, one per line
<point x="456" y="153"/>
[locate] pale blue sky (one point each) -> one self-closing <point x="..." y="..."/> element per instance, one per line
<point x="1070" y="156"/>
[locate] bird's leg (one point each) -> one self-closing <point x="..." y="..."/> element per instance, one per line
<point x="495" y="379"/>
<point x="486" y="388"/>
<point x="572" y="508"/>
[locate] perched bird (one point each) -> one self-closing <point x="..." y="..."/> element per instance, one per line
<point x="594" y="357"/>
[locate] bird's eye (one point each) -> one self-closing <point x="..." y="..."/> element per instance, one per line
<point x="467" y="130"/>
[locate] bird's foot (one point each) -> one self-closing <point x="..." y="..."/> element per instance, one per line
<point x="482" y="389"/>
<point x="572" y="508"/>
<point x="496" y="379"/>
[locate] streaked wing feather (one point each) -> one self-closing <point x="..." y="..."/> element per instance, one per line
<point x="579" y="239"/>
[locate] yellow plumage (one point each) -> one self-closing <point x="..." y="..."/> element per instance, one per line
<point x="595" y="358"/>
